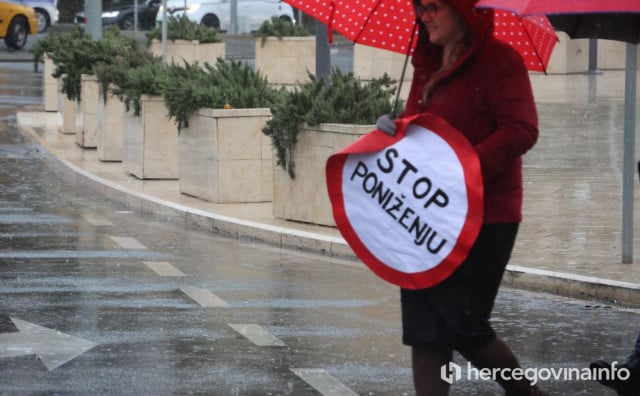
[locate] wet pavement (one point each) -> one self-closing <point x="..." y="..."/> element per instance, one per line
<point x="99" y="298"/>
<point x="157" y="306"/>
<point x="569" y="242"/>
<point x="276" y="316"/>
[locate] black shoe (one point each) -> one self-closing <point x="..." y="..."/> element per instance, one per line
<point x="625" y="387"/>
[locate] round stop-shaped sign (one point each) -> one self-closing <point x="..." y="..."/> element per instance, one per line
<point x="410" y="206"/>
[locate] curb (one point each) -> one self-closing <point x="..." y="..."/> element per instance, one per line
<point x="573" y="285"/>
<point x="559" y="283"/>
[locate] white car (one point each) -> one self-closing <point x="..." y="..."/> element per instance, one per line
<point x="46" y="12"/>
<point x="217" y="13"/>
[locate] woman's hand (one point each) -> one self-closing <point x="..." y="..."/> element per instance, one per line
<point x="385" y="124"/>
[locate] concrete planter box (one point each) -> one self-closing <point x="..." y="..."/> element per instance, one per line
<point x="305" y="198"/>
<point x="286" y="62"/>
<point x="110" y="135"/>
<point x="70" y="111"/>
<point x="71" y="114"/>
<point x="370" y="62"/>
<point x="572" y="55"/>
<point x="612" y="54"/>
<point x="225" y="157"/>
<point x="49" y="86"/>
<point x="92" y="104"/>
<point x="150" y="141"/>
<point x="569" y="55"/>
<point x="189" y="51"/>
<point x="60" y="96"/>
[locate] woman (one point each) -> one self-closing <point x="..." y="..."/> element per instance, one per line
<point x="481" y="87"/>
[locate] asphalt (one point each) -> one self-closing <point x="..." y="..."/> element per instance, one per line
<point x="568" y="244"/>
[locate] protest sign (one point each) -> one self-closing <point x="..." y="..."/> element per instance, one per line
<point x="410" y="205"/>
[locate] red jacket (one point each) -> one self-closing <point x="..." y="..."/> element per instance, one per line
<point x="487" y="96"/>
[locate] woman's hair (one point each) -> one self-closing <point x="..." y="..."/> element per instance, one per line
<point x="459" y="49"/>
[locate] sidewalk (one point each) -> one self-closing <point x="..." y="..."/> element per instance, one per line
<point x="569" y="242"/>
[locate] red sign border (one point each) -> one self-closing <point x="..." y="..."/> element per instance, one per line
<point x="377" y="141"/>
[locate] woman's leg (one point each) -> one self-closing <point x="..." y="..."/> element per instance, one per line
<point x="427" y="361"/>
<point x="497" y="354"/>
<point x="483" y="348"/>
<point x="457" y="313"/>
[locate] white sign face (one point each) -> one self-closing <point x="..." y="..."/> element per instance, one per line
<point x="418" y="202"/>
<point x="410" y="206"/>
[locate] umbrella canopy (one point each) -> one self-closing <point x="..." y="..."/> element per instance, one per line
<point x="609" y="26"/>
<point x="604" y="19"/>
<point x="389" y="24"/>
<point x="540" y="7"/>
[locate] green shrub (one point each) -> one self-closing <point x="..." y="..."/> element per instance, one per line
<point x="225" y="84"/>
<point x="147" y="79"/>
<point x="53" y="43"/>
<point x="126" y="53"/>
<point x="182" y="28"/>
<point x="279" y="27"/>
<point x="73" y="54"/>
<point x="76" y="53"/>
<point x="342" y="98"/>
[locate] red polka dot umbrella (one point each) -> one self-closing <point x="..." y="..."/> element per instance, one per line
<point x="389" y="24"/>
<point x="533" y="37"/>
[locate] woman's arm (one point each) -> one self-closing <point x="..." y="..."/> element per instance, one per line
<point x="510" y="99"/>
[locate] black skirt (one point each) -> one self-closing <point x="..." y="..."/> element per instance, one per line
<point x="455" y="313"/>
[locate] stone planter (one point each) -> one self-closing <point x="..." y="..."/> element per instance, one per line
<point x="286" y="62"/>
<point x="189" y="51"/>
<point x="69" y="110"/>
<point x="572" y="55"/>
<point x="370" y="62"/>
<point x="612" y="54"/>
<point x="71" y="114"/>
<point x="569" y="55"/>
<point x="92" y="104"/>
<point x="109" y="137"/>
<point x="305" y="198"/>
<point x="49" y="86"/>
<point x="150" y="141"/>
<point x="225" y="157"/>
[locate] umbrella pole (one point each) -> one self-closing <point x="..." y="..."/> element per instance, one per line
<point x="323" y="52"/>
<point x="394" y="110"/>
<point x="396" y="101"/>
<point x="164" y="30"/>
<point x="628" y="155"/>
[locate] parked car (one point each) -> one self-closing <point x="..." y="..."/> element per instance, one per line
<point x="17" y="21"/>
<point x="217" y="13"/>
<point x="122" y="13"/>
<point x="46" y="12"/>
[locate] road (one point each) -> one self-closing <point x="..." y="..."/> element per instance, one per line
<point x="98" y="299"/>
